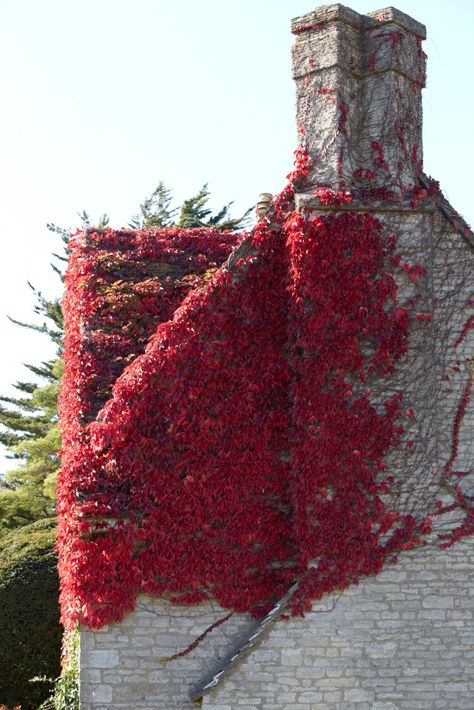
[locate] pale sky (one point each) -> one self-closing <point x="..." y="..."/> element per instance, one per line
<point x="103" y="98"/>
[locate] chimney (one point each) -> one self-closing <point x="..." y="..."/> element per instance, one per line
<point x="358" y="82"/>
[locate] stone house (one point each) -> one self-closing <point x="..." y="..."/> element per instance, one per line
<point x="140" y="305"/>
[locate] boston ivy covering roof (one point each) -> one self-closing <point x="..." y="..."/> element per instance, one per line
<point x="219" y="434"/>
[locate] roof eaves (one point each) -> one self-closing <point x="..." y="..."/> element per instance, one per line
<point x="242" y="649"/>
<point x="454" y="218"/>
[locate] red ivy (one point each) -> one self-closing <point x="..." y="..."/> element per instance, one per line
<point x="238" y="448"/>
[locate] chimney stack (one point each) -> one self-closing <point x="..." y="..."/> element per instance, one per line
<point x="358" y="81"/>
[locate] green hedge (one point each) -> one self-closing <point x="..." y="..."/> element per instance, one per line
<point x="30" y="631"/>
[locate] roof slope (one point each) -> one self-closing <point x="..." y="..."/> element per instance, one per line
<point x="236" y="447"/>
<point x="120" y="285"/>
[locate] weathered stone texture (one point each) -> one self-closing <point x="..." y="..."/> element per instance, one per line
<point x="359" y="80"/>
<point x="402" y="640"/>
<point x="122" y="666"/>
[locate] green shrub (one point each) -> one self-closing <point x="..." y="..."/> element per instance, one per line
<point x="65" y="694"/>
<point x="29" y="614"/>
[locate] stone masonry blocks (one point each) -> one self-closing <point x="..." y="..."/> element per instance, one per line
<point x="402" y="640"/>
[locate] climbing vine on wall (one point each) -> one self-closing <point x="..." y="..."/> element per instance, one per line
<point x="221" y="438"/>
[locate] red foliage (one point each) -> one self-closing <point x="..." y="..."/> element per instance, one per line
<point x="302" y="27"/>
<point x="419" y="194"/>
<point x="239" y="448"/>
<point x="120" y="285"/>
<point x="458" y="419"/>
<point x="360" y="174"/>
<point x="468" y="325"/>
<point x="341" y="297"/>
<point x="332" y="197"/>
<point x="394" y="37"/>
<point x="379" y="159"/>
<point x="184" y="456"/>
<point x="334" y="97"/>
<point x="189" y="455"/>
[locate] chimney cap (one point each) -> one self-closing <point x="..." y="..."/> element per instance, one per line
<point x="397" y="17"/>
<point x="337" y="12"/>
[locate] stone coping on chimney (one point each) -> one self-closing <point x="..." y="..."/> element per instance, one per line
<point x="337" y="12"/>
<point x="311" y="202"/>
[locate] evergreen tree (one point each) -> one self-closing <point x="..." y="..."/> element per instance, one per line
<point x="157" y="211"/>
<point x="29" y="423"/>
<point x="30" y="431"/>
<point x="195" y="212"/>
<point x="32" y="438"/>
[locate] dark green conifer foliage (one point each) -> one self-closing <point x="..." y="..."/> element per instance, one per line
<point x="157" y="211"/>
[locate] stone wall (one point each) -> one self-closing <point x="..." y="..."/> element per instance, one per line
<point x="405" y="639"/>
<point x="122" y="667"/>
<point x="402" y="640"/>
